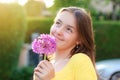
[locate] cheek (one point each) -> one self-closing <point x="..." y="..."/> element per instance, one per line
<point x="52" y="29"/>
<point x="71" y="38"/>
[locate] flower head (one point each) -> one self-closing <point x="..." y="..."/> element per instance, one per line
<point x="44" y="44"/>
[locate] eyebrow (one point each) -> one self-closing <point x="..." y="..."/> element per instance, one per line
<point x="66" y="24"/>
<point x="60" y="20"/>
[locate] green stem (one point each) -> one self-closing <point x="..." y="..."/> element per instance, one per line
<point x="44" y="56"/>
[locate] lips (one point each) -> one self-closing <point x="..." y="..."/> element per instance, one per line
<point x="58" y="38"/>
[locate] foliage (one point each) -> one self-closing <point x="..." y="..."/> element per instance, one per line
<point x="106" y="35"/>
<point x="25" y="73"/>
<point x="12" y="30"/>
<point x="107" y="39"/>
<point x="34" y="8"/>
<point x="37" y="25"/>
<point x="65" y="3"/>
<point x="115" y="3"/>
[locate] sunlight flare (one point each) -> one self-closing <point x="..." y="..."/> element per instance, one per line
<point x="21" y="2"/>
<point x="49" y="3"/>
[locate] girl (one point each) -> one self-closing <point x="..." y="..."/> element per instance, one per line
<point x="74" y="58"/>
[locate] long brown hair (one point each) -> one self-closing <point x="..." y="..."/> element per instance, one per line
<point x="85" y="32"/>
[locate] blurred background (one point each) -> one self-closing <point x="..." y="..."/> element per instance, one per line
<point x="23" y="20"/>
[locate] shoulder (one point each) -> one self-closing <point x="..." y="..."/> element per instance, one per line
<point x="80" y="55"/>
<point x="83" y="67"/>
<point x="80" y="58"/>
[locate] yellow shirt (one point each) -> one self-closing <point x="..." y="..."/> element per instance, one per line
<point x="79" y="67"/>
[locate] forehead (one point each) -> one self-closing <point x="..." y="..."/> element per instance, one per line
<point x="67" y="18"/>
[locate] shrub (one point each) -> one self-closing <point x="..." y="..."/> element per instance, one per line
<point x="37" y="25"/>
<point x="107" y="37"/>
<point x="25" y="73"/>
<point x="12" y="29"/>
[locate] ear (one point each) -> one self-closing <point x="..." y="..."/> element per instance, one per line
<point x="78" y="42"/>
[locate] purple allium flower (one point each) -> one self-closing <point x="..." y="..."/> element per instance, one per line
<point x="44" y="44"/>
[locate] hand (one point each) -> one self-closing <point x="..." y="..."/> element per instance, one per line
<point x="44" y="71"/>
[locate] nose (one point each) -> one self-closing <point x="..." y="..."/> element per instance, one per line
<point x="60" y="30"/>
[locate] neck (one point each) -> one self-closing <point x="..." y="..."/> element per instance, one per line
<point x="61" y="58"/>
<point x="62" y="54"/>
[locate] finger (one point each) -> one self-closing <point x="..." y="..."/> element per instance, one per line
<point x="43" y="65"/>
<point x="38" y="76"/>
<point x="40" y="64"/>
<point x="40" y="70"/>
<point x="49" y="65"/>
<point x="36" y="69"/>
<point x="35" y="77"/>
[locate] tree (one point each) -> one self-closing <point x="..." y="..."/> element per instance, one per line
<point x="34" y="8"/>
<point x="115" y="4"/>
<point x="65" y="3"/>
<point x="13" y="24"/>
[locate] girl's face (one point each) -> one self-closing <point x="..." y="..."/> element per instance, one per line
<point x="65" y="31"/>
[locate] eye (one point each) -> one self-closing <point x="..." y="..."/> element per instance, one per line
<point x="57" y="23"/>
<point x="69" y="29"/>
